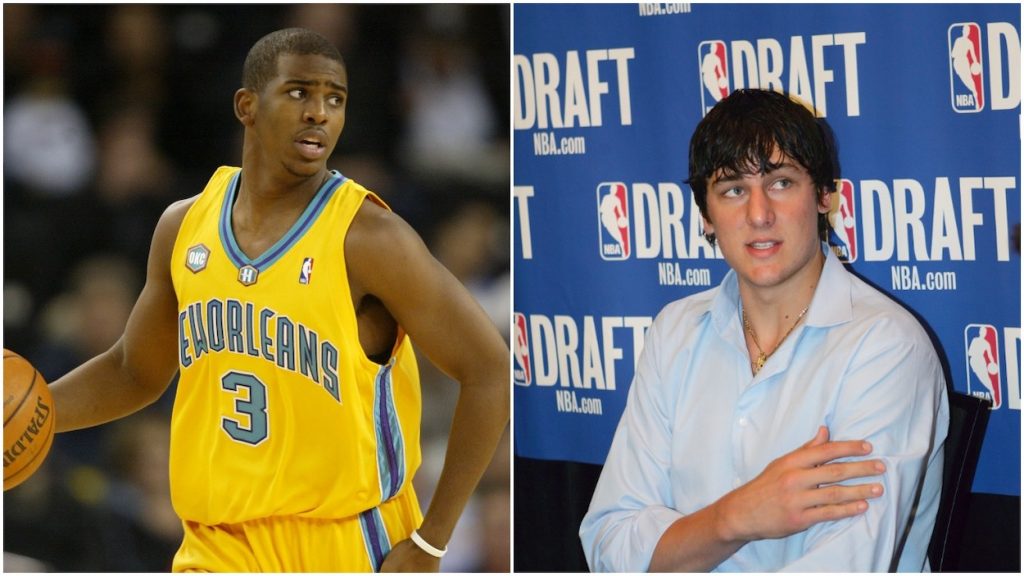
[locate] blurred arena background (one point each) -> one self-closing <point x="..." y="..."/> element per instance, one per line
<point x="112" y="112"/>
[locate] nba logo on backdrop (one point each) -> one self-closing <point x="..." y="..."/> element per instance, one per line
<point x="522" y="372"/>
<point x="843" y="238"/>
<point x="714" y="73"/>
<point x="981" y="342"/>
<point x="613" y="220"/>
<point x="966" y="73"/>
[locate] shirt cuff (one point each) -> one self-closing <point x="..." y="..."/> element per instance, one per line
<point x="652" y="523"/>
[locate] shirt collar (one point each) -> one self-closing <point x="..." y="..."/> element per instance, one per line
<point x="833" y="298"/>
<point x="831" y="304"/>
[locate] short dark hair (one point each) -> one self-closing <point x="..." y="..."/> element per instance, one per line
<point x="261" y="62"/>
<point x="743" y="130"/>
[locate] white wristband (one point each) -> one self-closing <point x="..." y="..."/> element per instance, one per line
<point x="427" y="547"/>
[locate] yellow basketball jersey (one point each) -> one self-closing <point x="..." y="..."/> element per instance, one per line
<point x="278" y="410"/>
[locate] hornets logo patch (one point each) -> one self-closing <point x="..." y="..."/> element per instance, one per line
<point x="247" y="275"/>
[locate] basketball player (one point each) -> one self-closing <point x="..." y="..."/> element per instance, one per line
<point x="287" y="296"/>
<point x="791" y="419"/>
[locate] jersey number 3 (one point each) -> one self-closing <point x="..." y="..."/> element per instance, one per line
<point x="250" y="402"/>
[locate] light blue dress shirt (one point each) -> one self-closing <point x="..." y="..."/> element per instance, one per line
<point x="698" y="424"/>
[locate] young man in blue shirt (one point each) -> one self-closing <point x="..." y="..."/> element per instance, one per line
<point x="791" y="418"/>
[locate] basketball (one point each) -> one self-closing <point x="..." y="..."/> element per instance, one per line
<point x="28" y="419"/>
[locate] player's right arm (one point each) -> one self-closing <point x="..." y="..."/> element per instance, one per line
<point x="137" y="369"/>
<point x="786" y="498"/>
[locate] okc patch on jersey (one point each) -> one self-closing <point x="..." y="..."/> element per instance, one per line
<point x="613" y="220"/>
<point x="966" y="73"/>
<point x="306" y="272"/>
<point x="197" y="258"/>
<point x="714" y="73"/>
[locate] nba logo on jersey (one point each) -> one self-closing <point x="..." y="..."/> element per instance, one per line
<point x="613" y="220"/>
<point x="714" y="73"/>
<point x="981" y="343"/>
<point x="843" y="238"/>
<point x="307" y="271"/>
<point x="965" y="69"/>
<point x="522" y="373"/>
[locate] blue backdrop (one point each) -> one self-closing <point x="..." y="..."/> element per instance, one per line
<point x="925" y="104"/>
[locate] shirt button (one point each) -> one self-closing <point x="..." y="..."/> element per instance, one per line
<point x="743" y="421"/>
<point x="736" y="483"/>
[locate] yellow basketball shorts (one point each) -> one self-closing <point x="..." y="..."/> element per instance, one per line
<point x="294" y="544"/>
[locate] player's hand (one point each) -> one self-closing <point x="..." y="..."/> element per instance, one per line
<point x="406" y="556"/>
<point x="800" y="489"/>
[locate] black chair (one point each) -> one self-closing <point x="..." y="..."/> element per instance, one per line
<point x="968" y="419"/>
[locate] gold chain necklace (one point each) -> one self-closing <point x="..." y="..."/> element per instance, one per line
<point x="761" y="356"/>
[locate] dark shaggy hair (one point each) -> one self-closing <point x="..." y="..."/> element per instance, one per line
<point x="261" y="62"/>
<point x="740" y="133"/>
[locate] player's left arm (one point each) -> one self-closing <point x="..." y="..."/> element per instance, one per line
<point x="388" y="259"/>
